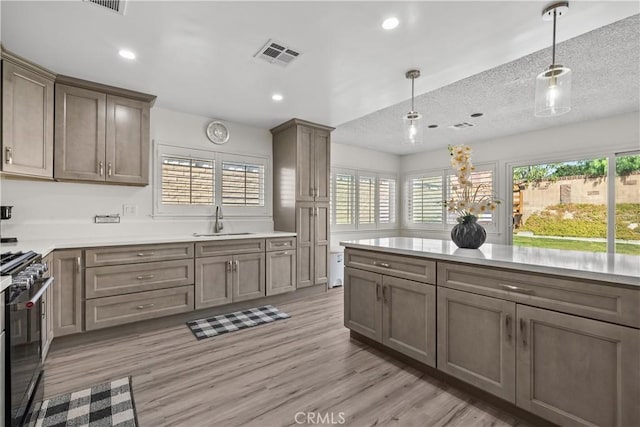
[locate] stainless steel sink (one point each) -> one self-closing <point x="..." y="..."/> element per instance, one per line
<point x="219" y="234"/>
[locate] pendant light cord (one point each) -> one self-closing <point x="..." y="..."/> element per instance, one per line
<point x="412" y="83"/>
<point x="553" y="54"/>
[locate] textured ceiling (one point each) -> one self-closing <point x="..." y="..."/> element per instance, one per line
<point x="197" y="56"/>
<point x="606" y="75"/>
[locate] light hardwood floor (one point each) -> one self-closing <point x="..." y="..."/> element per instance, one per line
<point x="263" y="376"/>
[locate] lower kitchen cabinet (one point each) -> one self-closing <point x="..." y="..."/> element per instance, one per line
<point x="409" y="318"/>
<point x="248" y="276"/>
<point x="362" y="293"/>
<point x="213" y="281"/>
<point x="224" y="279"/>
<point x="128" y="308"/>
<point x="476" y="341"/>
<point x="47" y="321"/>
<point x="399" y="313"/>
<point x="68" y="308"/>
<point x="280" y="272"/>
<point x="576" y="371"/>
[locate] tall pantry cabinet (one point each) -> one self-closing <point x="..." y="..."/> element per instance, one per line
<point x="301" y="173"/>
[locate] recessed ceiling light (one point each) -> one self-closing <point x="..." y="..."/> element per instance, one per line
<point x="477" y="115"/>
<point x="277" y="97"/>
<point x="432" y="126"/>
<point x="390" y="23"/>
<point x="127" y="54"/>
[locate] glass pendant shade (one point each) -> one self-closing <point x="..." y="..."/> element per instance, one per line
<point x="412" y="128"/>
<point x="553" y="91"/>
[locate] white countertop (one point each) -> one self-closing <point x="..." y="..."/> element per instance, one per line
<point x="5" y="281"/>
<point x="45" y="246"/>
<point x="620" y="269"/>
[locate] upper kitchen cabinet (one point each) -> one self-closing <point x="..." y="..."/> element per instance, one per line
<point x="101" y="133"/>
<point x="27" y="118"/>
<point x="305" y="148"/>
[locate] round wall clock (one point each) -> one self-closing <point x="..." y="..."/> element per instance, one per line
<point x="217" y="132"/>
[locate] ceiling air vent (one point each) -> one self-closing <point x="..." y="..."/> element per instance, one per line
<point x="462" y="125"/>
<point x="277" y="53"/>
<point x="116" y="6"/>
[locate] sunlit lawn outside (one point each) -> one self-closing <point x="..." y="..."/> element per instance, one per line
<point x="575" y="245"/>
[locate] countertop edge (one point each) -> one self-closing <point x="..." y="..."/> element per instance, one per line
<point x="610" y="278"/>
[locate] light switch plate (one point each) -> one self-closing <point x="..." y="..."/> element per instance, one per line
<point x="129" y="210"/>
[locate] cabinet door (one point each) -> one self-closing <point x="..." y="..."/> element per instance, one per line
<point x="322" y="164"/>
<point x="79" y="134"/>
<point x="322" y="238"/>
<point x="213" y="281"/>
<point x="305" y="251"/>
<point x="305" y="165"/>
<point x="476" y="341"/>
<point x="248" y="277"/>
<point x="67" y="292"/>
<point x="3" y="380"/>
<point x="576" y="371"/>
<point x="127" y="141"/>
<point x="409" y="318"/>
<point x="281" y="272"/>
<point x="27" y="122"/>
<point x="363" y="302"/>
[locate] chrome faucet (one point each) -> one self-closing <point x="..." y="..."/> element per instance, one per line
<point x="218" y="226"/>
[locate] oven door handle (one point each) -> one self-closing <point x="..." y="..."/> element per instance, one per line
<point x="43" y="289"/>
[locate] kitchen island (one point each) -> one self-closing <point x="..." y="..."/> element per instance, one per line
<point x="554" y="333"/>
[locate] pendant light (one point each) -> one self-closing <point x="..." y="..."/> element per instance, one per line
<point x="553" y="85"/>
<point x="412" y="124"/>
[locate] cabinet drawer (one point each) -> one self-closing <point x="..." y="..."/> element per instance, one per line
<point x="121" y="309"/>
<point x="126" y="279"/>
<point x="229" y="247"/>
<point x="281" y="244"/>
<point x="581" y="297"/>
<point x="418" y="269"/>
<point x="134" y="254"/>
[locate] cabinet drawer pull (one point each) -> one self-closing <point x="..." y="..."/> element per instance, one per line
<point x="281" y="253"/>
<point x="9" y="154"/>
<point x="381" y="264"/>
<point x="507" y="325"/>
<point x="235" y="265"/>
<point x="280" y="244"/>
<point x="140" y="307"/>
<point x="78" y="264"/>
<point x="150" y="276"/>
<point x="384" y="294"/>
<point x="145" y="253"/>
<point x="109" y="169"/>
<point x="101" y="167"/>
<point x="517" y="289"/>
<point x="377" y="291"/>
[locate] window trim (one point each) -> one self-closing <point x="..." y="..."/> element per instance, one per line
<point x="444" y="173"/>
<point x="357" y="173"/>
<point x="185" y="211"/>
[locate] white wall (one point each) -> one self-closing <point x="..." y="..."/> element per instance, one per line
<point x="64" y="209"/>
<point x="351" y="157"/>
<point x="571" y="142"/>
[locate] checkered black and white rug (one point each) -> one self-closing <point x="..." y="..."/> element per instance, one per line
<point x="225" y="323"/>
<point x="104" y="405"/>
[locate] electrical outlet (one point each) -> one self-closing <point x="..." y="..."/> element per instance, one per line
<point x="129" y="210"/>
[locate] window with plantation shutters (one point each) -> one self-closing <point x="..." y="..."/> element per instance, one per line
<point x="425" y="196"/>
<point x="187" y="181"/>
<point x="483" y="181"/>
<point x="386" y="201"/>
<point x="366" y="200"/>
<point x="242" y="184"/>
<point x="343" y="200"/>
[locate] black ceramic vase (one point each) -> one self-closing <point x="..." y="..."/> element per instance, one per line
<point x="468" y="234"/>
